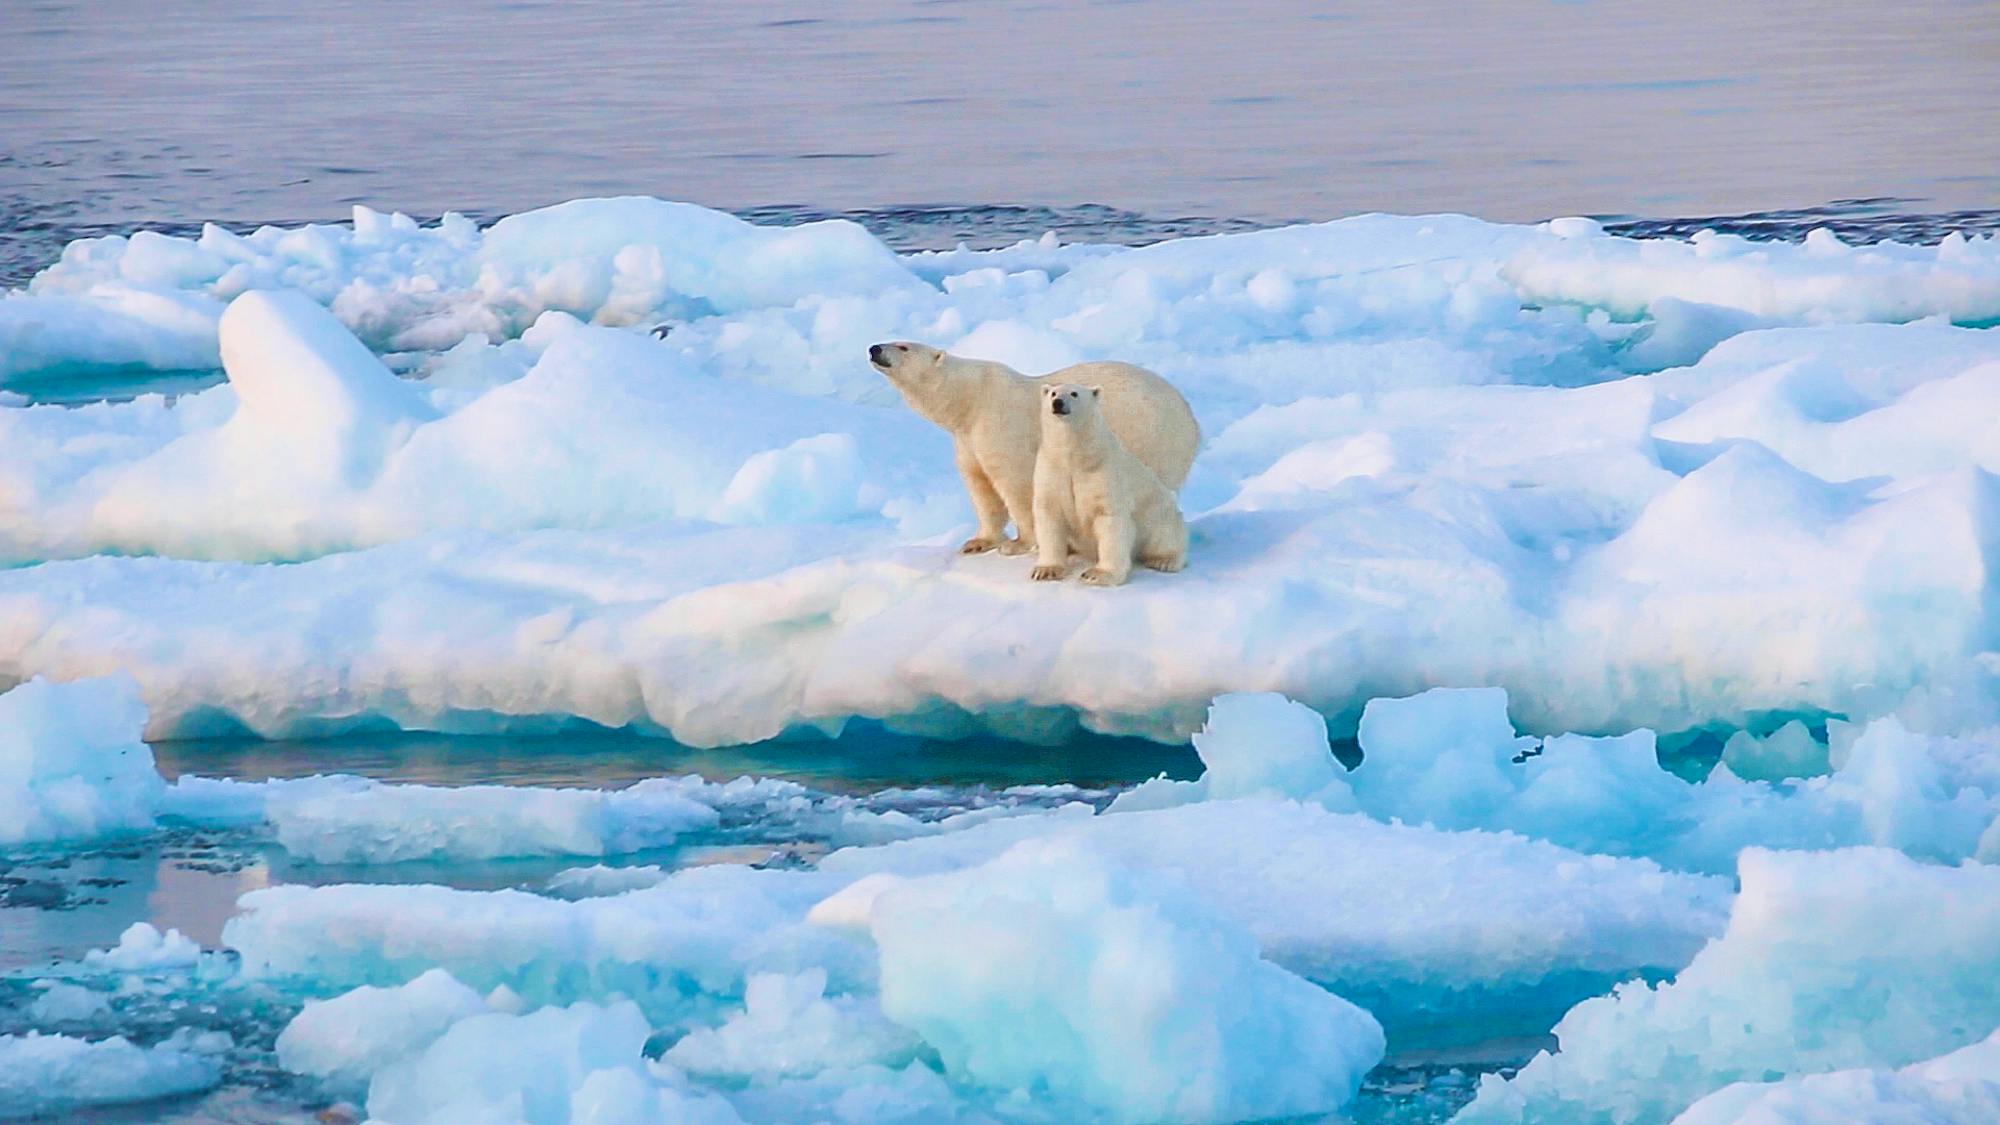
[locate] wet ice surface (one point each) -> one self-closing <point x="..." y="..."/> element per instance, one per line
<point x="58" y="902"/>
<point x="63" y="904"/>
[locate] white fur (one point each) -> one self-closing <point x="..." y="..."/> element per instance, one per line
<point x="1092" y="496"/>
<point x="991" y="409"/>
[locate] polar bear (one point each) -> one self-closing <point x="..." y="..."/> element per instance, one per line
<point x="991" y="410"/>
<point x="1093" y="495"/>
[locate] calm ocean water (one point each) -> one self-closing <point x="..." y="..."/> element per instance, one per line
<point x="934" y="120"/>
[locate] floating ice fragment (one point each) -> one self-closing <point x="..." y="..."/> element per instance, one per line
<point x="1052" y="970"/>
<point x="71" y="762"/>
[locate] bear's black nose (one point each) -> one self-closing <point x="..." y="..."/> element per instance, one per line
<point x="1058" y="406"/>
<point x="878" y="354"/>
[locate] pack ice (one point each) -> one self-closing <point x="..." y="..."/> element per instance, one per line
<point x="1526" y="511"/>
<point x="1678" y="485"/>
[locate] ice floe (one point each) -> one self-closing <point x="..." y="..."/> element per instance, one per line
<point x="1430" y="466"/>
<point x="42" y="1075"/>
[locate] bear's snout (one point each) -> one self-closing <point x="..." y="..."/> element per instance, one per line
<point x="1058" y="406"/>
<point x="878" y="354"/>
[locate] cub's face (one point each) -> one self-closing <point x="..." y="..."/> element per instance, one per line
<point x="1070" y="401"/>
<point x="915" y="369"/>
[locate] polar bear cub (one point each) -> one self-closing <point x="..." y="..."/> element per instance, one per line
<point x="1093" y="496"/>
<point x="991" y="410"/>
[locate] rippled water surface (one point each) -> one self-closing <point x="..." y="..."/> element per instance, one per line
<point x="937" y="121"/>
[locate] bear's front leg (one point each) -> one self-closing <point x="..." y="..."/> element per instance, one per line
<point x="1114" y="552"/>
<point x="1052" y="545"/>
<point x="986" y="503"/>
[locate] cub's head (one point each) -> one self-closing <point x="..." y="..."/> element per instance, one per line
<point x="1071" y="401"/>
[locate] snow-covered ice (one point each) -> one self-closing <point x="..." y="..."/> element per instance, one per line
<point x="1431" y="465"/>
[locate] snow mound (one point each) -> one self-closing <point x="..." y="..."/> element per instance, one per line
<point x="1809" y="977"/>
<point x="622" y="261"/>
<point x="306" y="386"/>
<point x="44" y="1075"/>
<point x="71" y="763"/>
<point x="1050" y="970"/>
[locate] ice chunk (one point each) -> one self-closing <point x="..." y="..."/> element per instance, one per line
<point x="789" y="1028"/>
<point x="393" y="823"/>
<point x="549" y="1067"/>
<point x="1449" y="757"/>
<point x="110" y="327"/>
<point x="1051" y="969"/>
<point x="44" y="1075"/>
<point x="1789" y="751"/>
<point x="67" y="1003"/>
<point x="598" y="879"/>
<point x="675" y="948"/>
<point x="1263" y="745"/>
<point x="1442" y="755"/>
<point x="1961" y="1088"/>
<point x="144" y="949"/>
<point x="1254" y="744"/>
<point x="347" y="1039"/>
<point x="1807" y="978"/>
<point x="71" y="762"/>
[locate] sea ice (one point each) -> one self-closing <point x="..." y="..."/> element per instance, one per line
<point x="1050" y="971"/>
<point x="1428" y="466"/>
<point x="552" y="1066"/>
<point x="1961" y="1088"/>
<point x="346" y="1039"/>
<point x="789" y="1028"/>
<point x="144" y="949"/>
<point x="1837" y="960"/>
<point x="71" y="763"/>
<point x="44" y="1075"/>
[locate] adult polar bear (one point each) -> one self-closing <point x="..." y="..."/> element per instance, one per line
<point x="994" y="415"/>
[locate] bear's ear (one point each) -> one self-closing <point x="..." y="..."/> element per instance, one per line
<point x="1096" y="391"/>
